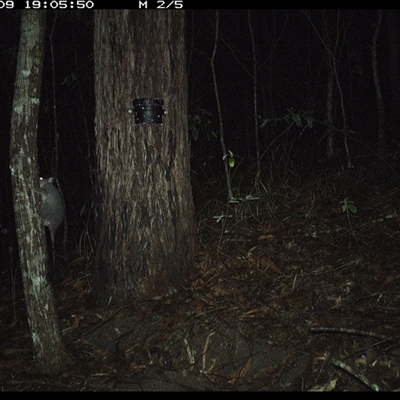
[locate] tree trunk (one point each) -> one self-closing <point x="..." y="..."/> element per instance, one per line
<point x="330" y="134"/>
<point x="146" y="231"/>
<point x="48" y="350"/>
<point x="394" y="61"/>
<point x="255" y="84"/>
<point x="379" y="97"/>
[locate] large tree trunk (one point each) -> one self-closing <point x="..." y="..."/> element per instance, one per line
<point x="48" y="350"/>
<point x="146" y="232"/>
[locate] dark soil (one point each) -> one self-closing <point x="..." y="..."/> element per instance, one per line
<point x="295" y="288"/>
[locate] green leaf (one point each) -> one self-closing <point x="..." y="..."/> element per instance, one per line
<point x="352" y="208"/>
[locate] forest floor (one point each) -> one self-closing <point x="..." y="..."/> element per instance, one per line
<point x="296" y="287"/>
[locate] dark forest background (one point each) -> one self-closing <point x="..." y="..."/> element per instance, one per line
<point x="292" y="79"/>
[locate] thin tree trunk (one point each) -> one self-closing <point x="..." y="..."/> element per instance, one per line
<point x="48" y="350"/>
<point x="253" y="45"/>
<point x="394" y="60"/>
<point x="329" y="114"/>
<point x="332" y="50"/>
<point x="221" y="125"/>
<point x="379" y="99"/>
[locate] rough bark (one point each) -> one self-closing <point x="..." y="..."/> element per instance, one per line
<point x="49" y="354"/>
<point x="146" y="232"/>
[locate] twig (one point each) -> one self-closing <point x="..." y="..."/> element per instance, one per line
<point x="319" y="329"/>
<point x="357" y="375"/>
<point x="102" y="323"/>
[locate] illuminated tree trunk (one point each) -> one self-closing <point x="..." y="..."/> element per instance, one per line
<point x="146" y="231"/>
<point x="49" y="353"/>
